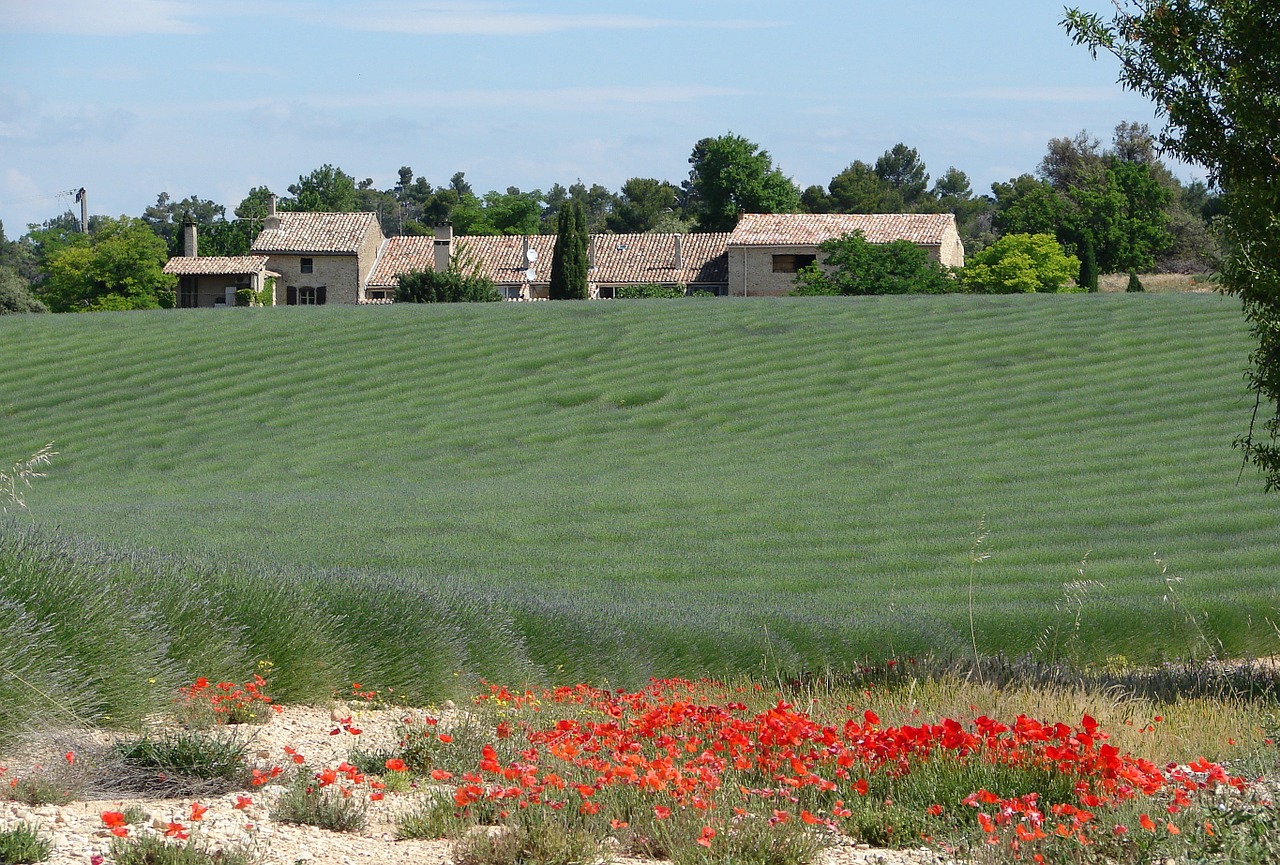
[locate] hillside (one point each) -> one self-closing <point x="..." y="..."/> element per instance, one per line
<point x="637" y="487"/>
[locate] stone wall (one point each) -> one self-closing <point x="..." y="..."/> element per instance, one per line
<point x="339" y="274"/>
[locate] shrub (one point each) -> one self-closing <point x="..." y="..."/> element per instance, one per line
<point x="437" y="817"/>
<point x="537" y="843"/>
<point x="653" y="289"/>
<point x="452" y="286"/>
<point x="853" y="265"/>
<point x="184" y="762"/>
<point x="314" y="803"/>
<point x="1135" y="284"/>
<point x="15" y="295"/>
<point x="152" y="850"/>
<point x="22" y="845"/>
<point x="1020" y="263"/>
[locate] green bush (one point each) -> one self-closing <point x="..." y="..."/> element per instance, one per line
<point x="23" y="845"/>
<point x="185" y="760"/>
<point x="306" y="802"/>
<point x="152" y="850"/>
<point x="1020" y="263"/>
<point x="652" y="289"/>
<point x="853" y="265"/>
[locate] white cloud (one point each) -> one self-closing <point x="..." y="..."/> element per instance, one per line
<point x="98" y="17"/>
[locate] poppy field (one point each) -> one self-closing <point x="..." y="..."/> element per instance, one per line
<point x="698" y="771"/>
<point x="708" y="772"/>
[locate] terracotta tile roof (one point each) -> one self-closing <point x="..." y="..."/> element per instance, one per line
<point x="620" y="258"/>
<point x="217" y="265"/>
<point x="317" y="232"/>
<point x="811" y="229"/>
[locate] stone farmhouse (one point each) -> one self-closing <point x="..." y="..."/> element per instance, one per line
<point x="320" y="258"/>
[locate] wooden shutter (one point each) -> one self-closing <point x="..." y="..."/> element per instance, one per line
<point x="320" y="293"/>
<point x="291" y="296"/>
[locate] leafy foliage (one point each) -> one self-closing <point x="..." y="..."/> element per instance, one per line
<point x="15" y="294"/>
<point x="1213" y="69"/>
<point x="646" y="204"/>
<point x="327" y="189"/>
<point x="636" y="292"/>
<point x="1019" y="263"/>
<point x="23" y="845"/>
<point x="731" y="176"/>
<point x="853" y="265"/>
<point x="119" y="266"/>
<point x="452" y="286"/>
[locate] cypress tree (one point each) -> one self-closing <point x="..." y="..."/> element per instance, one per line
<point x="1135" y="284"/>
<point x="1088" y="267"/>
<point x="561" y="256"/>
<point x="579" y="276"/>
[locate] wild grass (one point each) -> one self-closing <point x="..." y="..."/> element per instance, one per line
<point x="608" y="492"/>
<point x="23" y="845"/>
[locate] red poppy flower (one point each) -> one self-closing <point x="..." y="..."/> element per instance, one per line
<point x="198" y="811"/>
<point x="395" y="764"/>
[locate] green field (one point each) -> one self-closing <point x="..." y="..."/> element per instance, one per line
<point x="612" y="490"/>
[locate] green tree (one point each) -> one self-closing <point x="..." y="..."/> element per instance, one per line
<point x="119" y="266"/>
<point x="853" y="265"/>
<point x="569" y="264"/>
<point x="15" y="294"/>
<point x="1088" y="279"/>
<point x="1213" y="69"/>
<point x="166" y="216"/>
<point x="596" y="201"/>
<point x="1018" y="263"/>
<point x="903" y="172"/>
<point x="510" y="212"/>
<point x="325" y="190"/>
<point x="1135" y="284"/>
<point x="859" y="189"/>
<point x="646" y="204"/>
<point x="731" y="176"/>
<point x="18" y="256"/>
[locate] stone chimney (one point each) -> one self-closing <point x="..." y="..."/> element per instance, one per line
<point x="591" y="253"/>
<point x="679" y="262"/>
<point x="272" y="222"/>
<point x="443" y="246"/>
<point x="189" y="248"/>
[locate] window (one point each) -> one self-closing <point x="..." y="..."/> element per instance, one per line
<point x="187" y="297"/>
<point x="377" y="295"/>
<point x="792" y="263"/>
<point x="308" y="265"/>
<point x="607" y="292"/>
<point x="305" y="296"/>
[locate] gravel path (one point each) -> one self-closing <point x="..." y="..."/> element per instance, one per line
<point x="78" y="833"/>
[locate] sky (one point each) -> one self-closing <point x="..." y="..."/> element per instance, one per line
<point x="131" y="98"/>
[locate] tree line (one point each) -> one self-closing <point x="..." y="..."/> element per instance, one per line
<point x="1115" y="208"/>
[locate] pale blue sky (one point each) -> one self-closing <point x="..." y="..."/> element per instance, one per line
<point x="129" y="98"/>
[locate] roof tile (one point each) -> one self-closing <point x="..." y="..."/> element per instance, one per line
<point x="216" y="265"/>
<point x="812" y="229"/>
<point x="619" y="258"/>
<point x="320" y="233"/>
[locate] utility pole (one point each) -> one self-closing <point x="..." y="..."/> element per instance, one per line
<point x="83" y="198"/>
